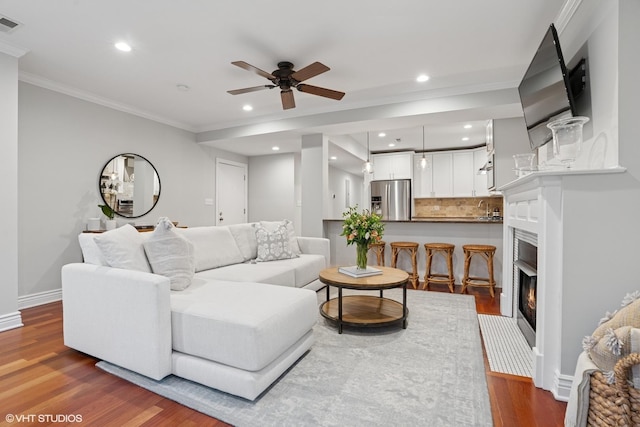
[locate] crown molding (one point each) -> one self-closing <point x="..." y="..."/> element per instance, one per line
<point x="12" y="50"/>
<point x="566" y="13"/>
<point x="96" y="99"/>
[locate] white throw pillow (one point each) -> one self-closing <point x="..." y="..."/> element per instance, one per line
<point x="273" y="245"/>
<point x="245" y="237"/>
<point x="171" y="255"/>
<point x="122" y="248"/>
<point x="293" y="240"/>
<point x="91" y="253"/>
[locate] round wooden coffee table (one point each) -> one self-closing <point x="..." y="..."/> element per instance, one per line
<point x="365" y="310"/>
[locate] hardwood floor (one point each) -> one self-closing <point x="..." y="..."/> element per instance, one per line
<point x="46" y="383"/>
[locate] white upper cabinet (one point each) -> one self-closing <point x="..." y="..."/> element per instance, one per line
<point x="450" y="174"/>
<point x="442" y="174"/>
<point x="463" y="173"/>
<point x="393" y="166"/>
<point x="422" y="178"/>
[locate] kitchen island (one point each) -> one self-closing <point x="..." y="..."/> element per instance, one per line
<point x="455" y="230"/>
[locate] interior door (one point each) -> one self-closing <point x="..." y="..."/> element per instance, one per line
<point x="231" y="192"/>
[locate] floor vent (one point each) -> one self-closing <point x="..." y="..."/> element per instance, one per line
<point x="7" y="25"/>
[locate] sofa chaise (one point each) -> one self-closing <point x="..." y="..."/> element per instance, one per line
<point x="217" y="305"/>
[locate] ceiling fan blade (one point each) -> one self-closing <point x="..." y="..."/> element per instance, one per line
<point x="253" y="69"/>
<point x="309" y="71"/>
<point x="320" y="91"/>
<point x="287" y="99"/>
<point x="250" y="89"/>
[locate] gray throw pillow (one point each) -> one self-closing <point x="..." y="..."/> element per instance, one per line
<point x="273" y="244"/>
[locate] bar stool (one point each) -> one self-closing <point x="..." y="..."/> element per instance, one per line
<point x="412" y="248"/>
<point x="487" y="252"/>
<point x="446" y="249"/>
<point x="378" y="249"/>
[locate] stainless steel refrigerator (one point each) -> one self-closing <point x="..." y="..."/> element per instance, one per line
<point x="391" y="199"/>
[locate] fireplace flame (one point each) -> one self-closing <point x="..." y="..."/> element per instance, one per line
<point x="531" y="299"/>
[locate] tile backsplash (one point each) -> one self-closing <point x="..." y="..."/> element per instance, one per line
<point x="457" y="207"/>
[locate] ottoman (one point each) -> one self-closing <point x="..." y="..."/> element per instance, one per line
<point x="251" y="331"/>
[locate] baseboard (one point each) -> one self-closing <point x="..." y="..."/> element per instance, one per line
<point x="39" y="298"/>
<point x="10" y="321"/>
<point x="562" y="387"/>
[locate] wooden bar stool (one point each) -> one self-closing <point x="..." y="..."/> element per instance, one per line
<point x="487" y="252"/>
<point x="412" y="248"/>
<point x="378" y="249"/>
<point x="446" y="249"/>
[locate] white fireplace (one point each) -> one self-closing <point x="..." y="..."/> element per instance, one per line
<point x="535" y="210"/>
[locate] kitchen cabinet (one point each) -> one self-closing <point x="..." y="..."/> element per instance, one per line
<point x="422" y="178"/>
<point x="463" y="173"/>
<point x="451" y="174"/>
<point x="393" y="166"/>
<point x="442" y="179"/>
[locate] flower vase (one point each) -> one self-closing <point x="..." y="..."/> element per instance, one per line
<point x="361" y="255"/>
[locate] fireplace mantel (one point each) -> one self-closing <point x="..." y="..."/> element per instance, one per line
<point x="534" y="204"/>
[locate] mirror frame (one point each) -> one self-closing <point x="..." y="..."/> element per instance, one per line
<point x="102" y="174"/>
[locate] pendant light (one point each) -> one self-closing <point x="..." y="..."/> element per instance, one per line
<point x="368" y="167"/>
<point x="423" y="161"/>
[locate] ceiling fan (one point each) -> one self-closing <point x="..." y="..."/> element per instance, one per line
<point x="286" y="78"/>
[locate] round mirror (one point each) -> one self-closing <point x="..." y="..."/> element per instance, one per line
<point x="130" y="185"/>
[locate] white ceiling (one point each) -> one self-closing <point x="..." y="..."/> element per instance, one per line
<point x="375" y="50"/>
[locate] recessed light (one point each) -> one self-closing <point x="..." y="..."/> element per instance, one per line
<point x="392" y="144"/>
<point x="382" y="134"/>
<point x="468" y="126"/>
<point x="333" y="158"/>
<point x="466" y="138"/>
<point x="182" y="87"/>
<point x="422" y="78"/>
<point x="123" y="46"/>
<point x="275" y="148"/>
<point x="247" y="107"/>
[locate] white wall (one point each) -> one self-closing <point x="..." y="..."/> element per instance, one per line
<point x="339" y="181"/>
<point x="601" y="228"/>
<point x="64" y="143"/>
<point x="509" y="138"/>
<point x="9" y="315"/>
<point x="272" y="187"/>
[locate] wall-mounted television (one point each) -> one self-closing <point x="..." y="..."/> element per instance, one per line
<point x="545" y="90"/>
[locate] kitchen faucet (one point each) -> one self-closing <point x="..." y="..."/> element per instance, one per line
<point x="487" y="207"/>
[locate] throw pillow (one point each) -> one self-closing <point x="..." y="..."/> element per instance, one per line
<point x="170" y="255"/>
<point x="245" y="237"/>
<point x="293" y="240"/>
<point x="122" y="248"/>
<point x="91" y="253"/>
<point x="611" y="340"/>
<point x="273" y="245"/>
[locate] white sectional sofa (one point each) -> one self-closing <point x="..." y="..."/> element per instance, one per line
<point x="240" y="322"/>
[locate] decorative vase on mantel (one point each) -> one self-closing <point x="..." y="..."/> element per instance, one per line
<point x="362" y="249"/>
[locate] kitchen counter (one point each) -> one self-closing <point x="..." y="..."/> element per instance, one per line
<point x="456" y="231"/>
<point x="461" y="220"/>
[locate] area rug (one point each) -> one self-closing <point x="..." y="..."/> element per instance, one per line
<point x="507" y="349"/>
<point x="430" y="374"/>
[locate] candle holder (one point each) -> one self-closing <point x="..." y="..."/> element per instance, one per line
<point x="567" y="138"/>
